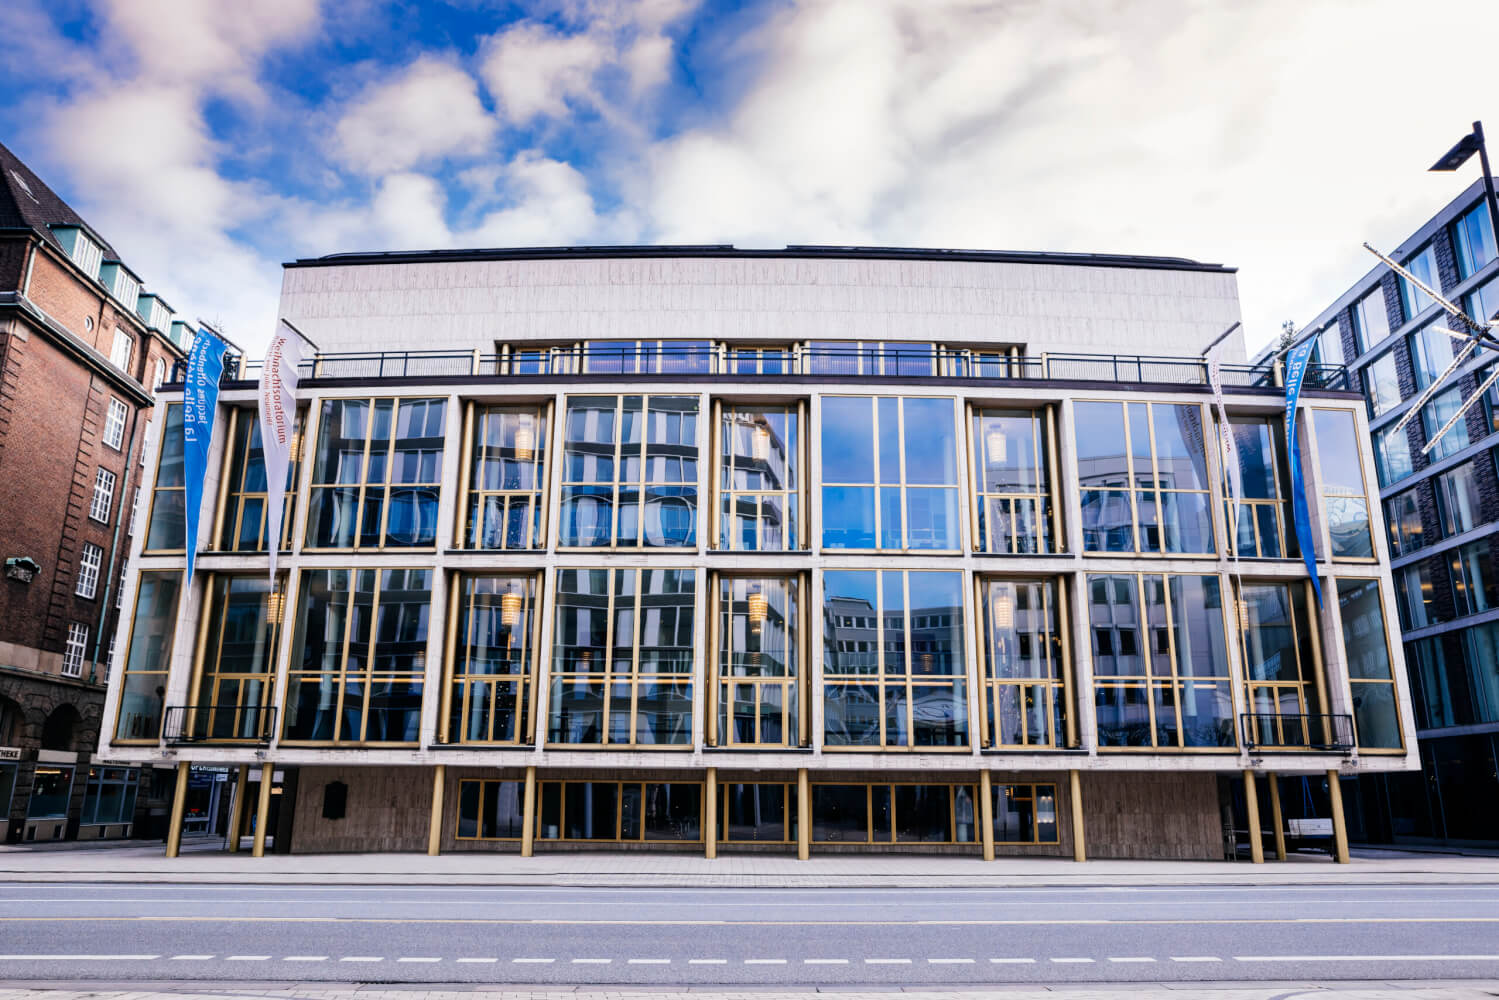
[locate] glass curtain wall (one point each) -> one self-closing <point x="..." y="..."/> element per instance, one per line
<point x="1376" y="717"/>
<point x="1160" y="661"/>
<point x="758" y="694"/>
<point x="507" y="479"/>
<point x="622" y="452"/>
<point x="490" y="810"/>
<point x="759" y="813"/>
<point x="759" y="478"/>
<point x="622" y="658"/>
<point x="1263" y="512"/>
<point x="153" y="627"/>
<point x="870" y="357"/>
<point x="166" y="526"/>
<point x="1344" y="496"/>
<point x="894" y="670"/>
<point x="492" y="686"/>
<point x="1025" y="814"/>
<point x="1011" y="461"/>
<point x="904" y="813"/>
<point x="1403" y="517"/>
<point x="1025" y="700"/>
<point x="237" y="674"/>
<point x="376" y="475"/>
<point x="889" y="473"/>
<point x="1285" y="688"/>
<point x="626" y="811"/>
<point x="1143" y="472"/>
<point x="244" y="513"/>
<point x="360" y="656"/>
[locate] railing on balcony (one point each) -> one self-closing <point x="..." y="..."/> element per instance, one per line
<point x="887" y="360"/>
<point x="219" y="724"/>
<point x="1277" y="731"/>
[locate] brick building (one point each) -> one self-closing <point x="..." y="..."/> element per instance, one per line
<point x="82" y="348"/>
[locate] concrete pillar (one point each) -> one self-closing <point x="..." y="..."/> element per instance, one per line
<point x="179" y="802"/>
<point x="263" y="809"/>
<point x="1252" y="806"/>
<point x="1276" y="817"/>
<point x="528" y="815"/>
<point x="1339" y="827"/>
<point x="710" y="815"/>
<point x="803" y="815"/>
<point x="237" y="807"/>
<point x="986" y="814"/>
<point x="434" y="825"/>
<point x="1075" y="789"/>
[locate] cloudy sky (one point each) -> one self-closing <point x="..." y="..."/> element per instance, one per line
<point x="210" y="140"/>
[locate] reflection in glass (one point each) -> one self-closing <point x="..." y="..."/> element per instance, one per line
<point x="1025" y="814"/>
<point x="759" y="483"/>
<point x="1376" y="721"/>
<point x="493" y="655"/>
<point x="1262" y="513"/>
<point x="1025" y="702"/>
<point x="758" y="670"/>
<point x="237" y="673"/>
<point x="506" y="478"/>
<point x="166" y="529"/>
<point x="1279" y="663"/>
<point x="245" y="513"/>
<point x="898" y="813"/>
<point x="152" y="629"/>
<point x="1343" y="491"/>
<point x="1015" y="513"/>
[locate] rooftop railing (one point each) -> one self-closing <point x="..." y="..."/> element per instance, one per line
<point x="871" y="362"/>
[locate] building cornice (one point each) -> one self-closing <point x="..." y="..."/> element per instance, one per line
<point x="14" y="304"/>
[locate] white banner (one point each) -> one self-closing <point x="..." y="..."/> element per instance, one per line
<point x="278" y="421"/>
<point x="1230" y="447"/>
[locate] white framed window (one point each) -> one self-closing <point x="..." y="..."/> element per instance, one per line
<point x="114" y="424"/>
<point x="104" y="496"/>
<point x="88" y="570"/>
<point x="159" y="375"/>
<point x="120" y="594"/>
<point x="135" y="509"/>
<point x="119" y="355"/>
<point x="145" y="443"/>
<point x="109" y="658"/>
<point x="73" y="652"/>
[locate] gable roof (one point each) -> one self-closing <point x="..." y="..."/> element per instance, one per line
<point x="27" y="202"/>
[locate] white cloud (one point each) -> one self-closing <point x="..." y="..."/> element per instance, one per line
<point x="533" y="70"/>
<point x="430" y="111"/>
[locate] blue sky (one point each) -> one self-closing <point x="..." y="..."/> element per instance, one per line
<point x="209" y="140"/>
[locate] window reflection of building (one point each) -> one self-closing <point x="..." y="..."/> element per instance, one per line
<point x="492" y="690"/>
<point x="903" y="813"/>
<point x="506" y="477"/>
<point x="1376" y="717"/>
<point x="894" y="670"/>
<point x="1345" y="498"/>
<point x="1012" y="466"/>
<point x="1262" y="512"/>
<point x="1025" y="699"/>
<point x="148" y="657"/>
<point x="237" y="673"/>
<point x="245" y="508"/>
<point x="622" y="658"/>
<point x="1281" y="665"/>
<point x="166" y="525"/>
<point x="758" y="692"/>
<point x="759" y="481"/>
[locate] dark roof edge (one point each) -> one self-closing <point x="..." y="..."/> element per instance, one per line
<point x="794" y="251"/>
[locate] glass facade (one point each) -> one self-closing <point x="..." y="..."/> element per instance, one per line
<point x="759" y="463"/>
<point x="1016" y="513"/>
<point x="493" y="673"/>
<point x="166" y="527"/>
<point x="237" y="673"/>
<point x="506" y="479"/>
<point x="245" y="508"/>
<point x="1382" y="384"/>
<point x="1025" y="700"/>
<point x="1423" y="266"/>
<point x="148" y="657"/>
<point x="1371" y="320"/>
<point x="1281" y="665"/>
<point x="1473" y="241"/>
<point x="1376" y="716"/>
<point x="1262" y="515"/>
<point x="1345" y="497"/>
<point x="758" y="690"/>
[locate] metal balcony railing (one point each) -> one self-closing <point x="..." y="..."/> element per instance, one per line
<point x="219" y="724"/>
<point x="1277" y="731"/>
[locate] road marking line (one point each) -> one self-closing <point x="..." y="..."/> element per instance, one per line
<point x="1013" y="961"/>
<point x="707" y="961"/>
<point x="887" y="961"/>
<point x="418" y="960"/>
<point x="649" y="961"/>
<point x="592" y="961"/>
<point x="1366" y="958"/>
<point x="361" y="958"/>
<point x="305" y="958"/>
<point x="77" y="958"/>
<point x="1079" y="961"/>
<point x="248" y="958"/>
<point x="491" y="961"/>
<point x="191" y="958"/>
<point x="514" y="961"/>
<point x="764" y="961"/>
<point x="1131" y="958"/>
<point x="1195" y="958"/>
<point x="950" y="961"/>
<point x="824" y="961"/>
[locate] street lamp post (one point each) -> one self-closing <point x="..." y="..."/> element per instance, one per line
<point x="1458" y="155"/>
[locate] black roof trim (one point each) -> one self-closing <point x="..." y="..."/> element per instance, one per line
<point x="794" y="251"/>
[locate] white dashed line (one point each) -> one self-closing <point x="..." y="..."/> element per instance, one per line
<point x="1013" y="961"/>
<point x="1067" y="961"/>
<point x="824" y="961"/>
<point x="248" y="958"/>
<point x="514" y="961"/>
<point x="887" y="961"/>
<point x="190" y="958"/>
<point x="649" y="961"/>
<point x="77" y="958"/>
<point x="305" y="958"/>
<point x="707" y="961"/>
<point x="361" y="958"/>
<point x="1195" y="958"/>
<point x="427" y="960"/>
<point x="950" y="961"/>
<point x="491" y="961"/>
<point x="764" y="961"/>
<point x="592" y="961"/>
<point x="1131" y="958"/>
<point x="1366" y="958"/>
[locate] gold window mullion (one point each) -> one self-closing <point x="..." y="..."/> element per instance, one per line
<point x="975" y="448"/>
<point x="637" y="624"/>
<point x="452" y="669"/>
<point x="1155" y="488"/>
<point x="986" y="658"/>
<point x="1051" y="540"/>
<point x="390" y="465"/>
<point x="1178" y="688"/>
<point x="461" y="522"/>
<point x="905" y="586"/>
<point x="1130" y="486"/>
<point x="368" y="671"/>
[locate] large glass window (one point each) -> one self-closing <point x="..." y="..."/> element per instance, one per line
<point x="1160" y="661"/>
<point x="1262" y="514"/>
<point x="622" y="453"/>
<point x="506" y="479"/>
<point x="1473" y="239"/>
<point x="1416" y="596"/>
<point x="490" y="810"/>
<point x="244" y="513"/>
<point x="1284" y="688"/>
<point x="377" y="474"/>
<point x="1457" y="500"/>
<point x="894" y="814"/>
<point x="494" y="660"/>
<point x="109" y="796"/>
<point x="1330" y="345"/>
<point x="758" y="694"/>
<point x="1011" y="460"/>
<point x="147" y="661"/>
<point x="1403" y="513"/>
<point x="647" y="357"/>
<point x="756" y="813"/>
<point x="889" y="473"/>
<point x="1376" y="719"/>
<point x="620" y="811"/>
<point x="167" y="524"/>
<point x="51" y="790"/>
<point x="1435" y="415"/>
<point x="1345" y="498"/>
<point x="1392" y="454"/>
<point x="894" y="672"/>
<point x="759" y="477"/>
<point x="1025" y="697"/>
<point x="1371" y="320"/>
<point x="237" y="673"/>
<point x="1423" y="266"/>
<point x="360" y="656"/>
<point x="1475" y="577"/>
<point x="1025" y="814"/>
<point x="622" y="658"/>
<point x="1144" y="476"/>
<point x="1483" y="302"/>
<point x="1456" y="677"/>
<point x="869" y="357"/>
<point x="1382" y="384"/>
<point x="1432" y="350"/>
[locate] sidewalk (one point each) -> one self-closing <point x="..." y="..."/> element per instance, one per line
<point x="202" y="863"/>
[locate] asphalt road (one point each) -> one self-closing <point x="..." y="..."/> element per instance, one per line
<point x="472" y="934"/>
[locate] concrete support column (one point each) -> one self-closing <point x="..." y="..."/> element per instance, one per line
<point x="1339" y="827"/>
<point x="710" y="814"/>
<point x="1252" y="807"/>
<point x="237" y="807"/>
<point x="986" y="814"/>
<point x="1075" y="790"/>
<point x="803" y="815"/>
<point x="1276" y="817"/>
<point x="528" y="815"/>
<point x="434" y="826"/>
<point x="179" y="802"/>
<point x="263" y="809"/>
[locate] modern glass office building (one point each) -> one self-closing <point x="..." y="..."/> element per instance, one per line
<point x="807" y="550"/>
<point x="1441" y="508"/>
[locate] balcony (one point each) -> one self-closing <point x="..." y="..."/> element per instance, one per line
<point x="1275" y="731"/>
<point x="226" y="724"/>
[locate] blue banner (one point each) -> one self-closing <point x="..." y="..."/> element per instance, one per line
<point x="200" y="403"/>
<point x="1296" y="361"/>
